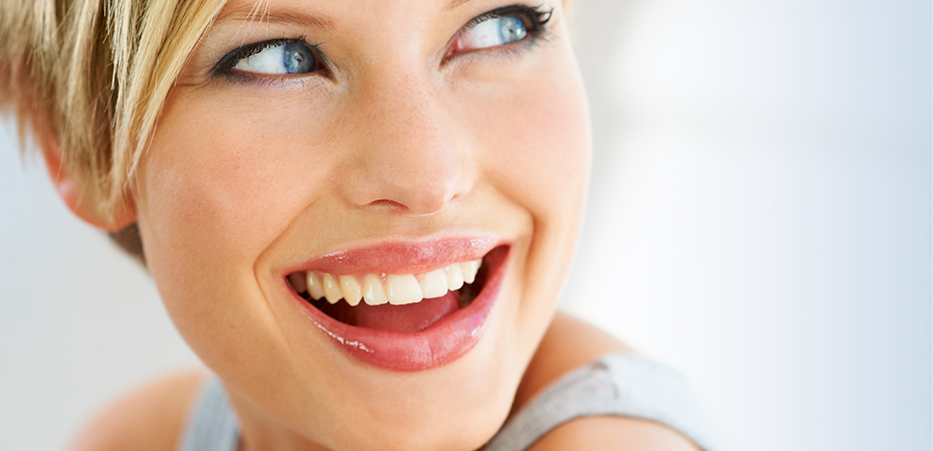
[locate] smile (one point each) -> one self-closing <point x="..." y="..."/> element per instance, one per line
<point x="403" y="306"/>
<point x="378" y="289"/>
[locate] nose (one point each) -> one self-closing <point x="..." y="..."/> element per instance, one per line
<point x="406" y="153"/>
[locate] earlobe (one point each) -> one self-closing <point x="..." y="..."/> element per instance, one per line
<point x="80" y="204"/>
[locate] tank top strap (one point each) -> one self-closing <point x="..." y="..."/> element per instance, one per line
<point x="617" y="384"/>
<point x="624" y="384"/>
<point x="211" y="425"/>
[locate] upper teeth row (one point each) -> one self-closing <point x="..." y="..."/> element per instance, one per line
<point x="376" y="289"/>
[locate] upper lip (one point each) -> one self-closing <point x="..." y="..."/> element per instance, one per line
<point x="401" y="256"/>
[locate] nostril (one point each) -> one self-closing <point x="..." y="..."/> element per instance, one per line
<point x="386" y="204"/>
<point x="415" y="201"/>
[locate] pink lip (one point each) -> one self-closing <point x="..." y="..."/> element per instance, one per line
<point x="401" y="257"/>
<point x="439" y="344"/>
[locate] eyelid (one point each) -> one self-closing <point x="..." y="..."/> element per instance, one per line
<point x="536" y="14"/>
<point x="537" y="18"/>
<point x="229" y="60"/>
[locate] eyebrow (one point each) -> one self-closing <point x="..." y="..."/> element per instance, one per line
<point x="290" y="16"/>
<point x="454" y="4"/>
<point x="257" y="13"/>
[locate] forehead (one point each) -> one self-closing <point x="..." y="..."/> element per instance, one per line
<point x="320" y="12"/>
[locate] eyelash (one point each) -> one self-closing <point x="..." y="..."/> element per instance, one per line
<point x="225" y="66"/>
<point x="537" y="17"/>
<point x="536" y="20"/>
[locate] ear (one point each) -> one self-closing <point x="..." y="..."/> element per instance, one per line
<point x="70" y="192"/>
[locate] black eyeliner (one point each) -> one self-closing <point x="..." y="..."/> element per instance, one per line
<point x="535" y="17"/>
<point x="225" y="66"/>
<point x="538" y="16"/>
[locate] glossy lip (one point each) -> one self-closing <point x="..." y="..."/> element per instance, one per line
<point x="439" y="344"/>
<point x="400" y="257"/>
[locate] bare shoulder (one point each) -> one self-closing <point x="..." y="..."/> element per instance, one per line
<point x="568" y="344"/>
<point x="147" y="419"/>
<point x="613" y="434"/>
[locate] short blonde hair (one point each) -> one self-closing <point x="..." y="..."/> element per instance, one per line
<point x="94" y="74"/>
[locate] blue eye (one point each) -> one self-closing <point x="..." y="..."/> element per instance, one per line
<point x="493" y="32"/>
<point x="280" y="57"/>
<point x="501" y="27"/>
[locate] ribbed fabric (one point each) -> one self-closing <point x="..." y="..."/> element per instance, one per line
<point x="627" y="385"/>
<point x="212" y="425"/>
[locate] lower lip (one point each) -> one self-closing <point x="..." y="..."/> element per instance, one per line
<point x="439" y="344"/>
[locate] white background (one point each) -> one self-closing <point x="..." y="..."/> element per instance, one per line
<point x="760" y="218"/>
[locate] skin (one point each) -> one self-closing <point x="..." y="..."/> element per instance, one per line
<point x="400" y="140"/>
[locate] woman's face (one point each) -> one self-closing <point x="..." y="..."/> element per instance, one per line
<point x="378" y="146"/>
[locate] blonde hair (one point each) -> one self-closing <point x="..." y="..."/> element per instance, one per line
<point x="94" y="74"/>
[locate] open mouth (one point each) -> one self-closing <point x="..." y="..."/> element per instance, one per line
<point x="403" y="306"/>
<point x="397" y="302"/>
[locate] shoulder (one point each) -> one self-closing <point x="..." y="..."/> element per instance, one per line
<point x="568" y="344"/>
<point x="613" y="434"/>
<point x="148" y="419"/>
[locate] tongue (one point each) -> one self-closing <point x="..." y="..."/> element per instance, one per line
<point x="404" y="318"/>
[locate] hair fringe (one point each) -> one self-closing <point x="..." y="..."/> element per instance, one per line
<point x="91" y="76"/>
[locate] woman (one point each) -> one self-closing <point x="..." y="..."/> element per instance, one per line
<point x="358" y="214"/>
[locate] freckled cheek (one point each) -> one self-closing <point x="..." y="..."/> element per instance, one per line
<point x="214" y="193"/>
<point x="223" y="189"/>
<point x="536" y="152"/>
<point x="537" y="146"/>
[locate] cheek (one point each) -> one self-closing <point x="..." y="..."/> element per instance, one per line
<point x="225" y="182"/>
<point x="215" y="190"/>
<point x="535" y="149"/>
<point x="535" y="144"/>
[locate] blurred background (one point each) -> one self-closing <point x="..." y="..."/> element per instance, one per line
<point x="760" y="219"/>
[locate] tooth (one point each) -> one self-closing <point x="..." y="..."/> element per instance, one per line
<point x="402" y="289"/>
<point x="298" y="282"/>
<point x="454" y="276"/>
<point x="373" y="293"/>
<point x="351" y="290"/>
<point x="434" y="284"/>
<point x="469" y="270"/>
<point x="332" y="289"/>
<point x="315" y="286"/>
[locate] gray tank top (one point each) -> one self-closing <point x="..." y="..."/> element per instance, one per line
<point x="617" y="384"/>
